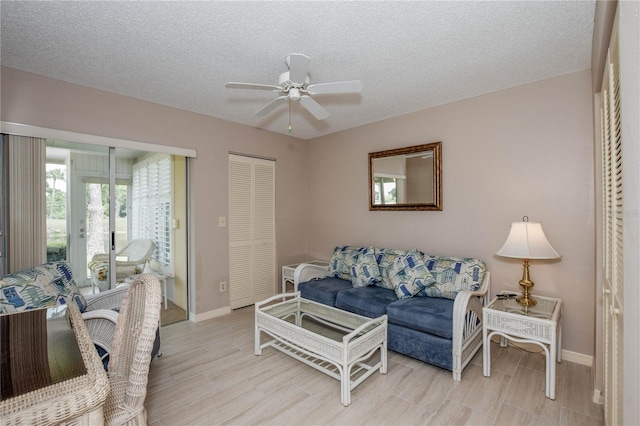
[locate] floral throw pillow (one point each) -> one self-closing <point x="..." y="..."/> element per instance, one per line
<point x="364" y="270"/>
<point x="409" y="275"/>
<point x="385" y="259"/>
<point x="453" y="274"/>
<point x="341" y="261"/>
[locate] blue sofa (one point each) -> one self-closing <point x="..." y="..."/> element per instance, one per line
<point x="434" y="304"/>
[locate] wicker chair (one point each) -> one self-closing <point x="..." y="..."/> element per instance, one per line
<point x="131" y="356"/>
<point x="100" y="318"/>
<point x="131" y="260"/>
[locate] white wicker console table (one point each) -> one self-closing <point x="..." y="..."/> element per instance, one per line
<point x="289" y="320"/>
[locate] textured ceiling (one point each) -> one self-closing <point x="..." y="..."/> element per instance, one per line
<point x="408" y="55"/>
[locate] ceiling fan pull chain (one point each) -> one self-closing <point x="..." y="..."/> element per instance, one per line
<point x="290" y="128"/>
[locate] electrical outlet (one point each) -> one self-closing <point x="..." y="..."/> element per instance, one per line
<point x="223" y="286"/>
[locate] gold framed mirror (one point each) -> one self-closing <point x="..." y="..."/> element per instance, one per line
<point x="406" y="178"/>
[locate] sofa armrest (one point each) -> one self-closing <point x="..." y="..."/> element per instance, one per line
<point x="467" y="325"/>
<point x="107" y="299"/>
<point x="306" y="272"/>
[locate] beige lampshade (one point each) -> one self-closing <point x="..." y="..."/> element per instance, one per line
<point x="526" y="240"/>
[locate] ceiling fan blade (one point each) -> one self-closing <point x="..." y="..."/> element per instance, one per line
<point x="234" y="85"/>
<point x="313" y="107"/>
<point x="298" y="68"/>
<point x="271" y="105"/>
<point x="354" y="86"/>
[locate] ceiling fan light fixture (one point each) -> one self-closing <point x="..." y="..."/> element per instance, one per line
<point x="294" y="94"/>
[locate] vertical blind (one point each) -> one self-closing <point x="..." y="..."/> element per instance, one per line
<point x="151" y="207"/>
<point x="27" y="235"/>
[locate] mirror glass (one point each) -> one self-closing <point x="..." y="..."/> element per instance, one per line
<point x="406" y="178"/>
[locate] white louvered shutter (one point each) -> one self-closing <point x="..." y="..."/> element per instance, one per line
<point x="152" y="208"/>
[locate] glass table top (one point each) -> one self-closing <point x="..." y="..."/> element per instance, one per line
<point x="544" y="308"/>
<point x="38" y="348"/>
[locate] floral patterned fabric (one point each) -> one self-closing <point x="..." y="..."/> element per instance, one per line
<point x="409" y="275"/>
<point x="355" y="264"/>
<point x="364" y="270"/>
<point x="341" y="261"/>
<point x="40" y="287"/>
<point x="385" y="259"/>
<point x="453" y="274"/>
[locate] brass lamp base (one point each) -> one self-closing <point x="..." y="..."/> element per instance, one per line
<point x="526" y="299"/>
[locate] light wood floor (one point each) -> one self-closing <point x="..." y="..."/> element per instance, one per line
<point x="208" y="375"/>
<point x="173" y="313"/>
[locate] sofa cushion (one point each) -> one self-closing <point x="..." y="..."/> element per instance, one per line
<point x="409" y="275"/>
<point x="341" y="260"/>
<point x="453" y="274"/>
<point x="368" y="301"/>
<point x="323" y="290"/>
<point x="427" y="314"/>
<point x="385" y="259"/>
<point x="426" y="347"/>
<point x="364" y="269"/>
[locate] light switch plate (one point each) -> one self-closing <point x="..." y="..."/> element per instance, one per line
<point x="222" y="221"/>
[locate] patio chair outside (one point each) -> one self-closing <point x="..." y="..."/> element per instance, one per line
<point x="131" y="260"/>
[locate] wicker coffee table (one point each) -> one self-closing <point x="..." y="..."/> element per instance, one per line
<point x="346" y="352"/>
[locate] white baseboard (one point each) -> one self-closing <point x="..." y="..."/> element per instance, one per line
<point x="570" y="356"/>
<point x="209" y="315"/>
<point x="578" y="358"/>
<point x="597" y="397"/>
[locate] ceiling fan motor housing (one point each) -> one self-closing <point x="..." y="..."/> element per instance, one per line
<point x="285" y="82"/>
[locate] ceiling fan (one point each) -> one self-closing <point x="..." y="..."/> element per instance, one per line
<point x="294" y="86"/>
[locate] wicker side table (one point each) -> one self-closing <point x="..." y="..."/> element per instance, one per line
<point x="289" y="270"/>
<point x="540" y="325"/>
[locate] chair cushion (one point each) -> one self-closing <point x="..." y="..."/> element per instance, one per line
<point x="427" y="314"/>
<point x="64" y="285"/>
<point x="453" y="274"/>
<point x="323" y="290"/>
<point x="409" y="275"/>
<point x="43" y="286"/>
<point x="100" y="270"/>
<point x="368" y="301"/>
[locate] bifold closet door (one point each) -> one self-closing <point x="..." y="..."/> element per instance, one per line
<point x="252" y="262"/>
<point x="613" y="227"/>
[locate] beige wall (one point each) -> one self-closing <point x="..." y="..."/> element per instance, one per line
<point x="39" y="101"/>
<point x="522" y="151"/>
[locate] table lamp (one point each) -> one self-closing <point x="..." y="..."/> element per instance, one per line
<point x="527" y="241"/>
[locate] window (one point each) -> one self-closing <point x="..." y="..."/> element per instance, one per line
<point x="151" y="207"/>
<point x="56" y="212"/>
<point x="386" y="190"/>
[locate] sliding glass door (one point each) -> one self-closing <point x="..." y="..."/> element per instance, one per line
<point x="122" y="210"/>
